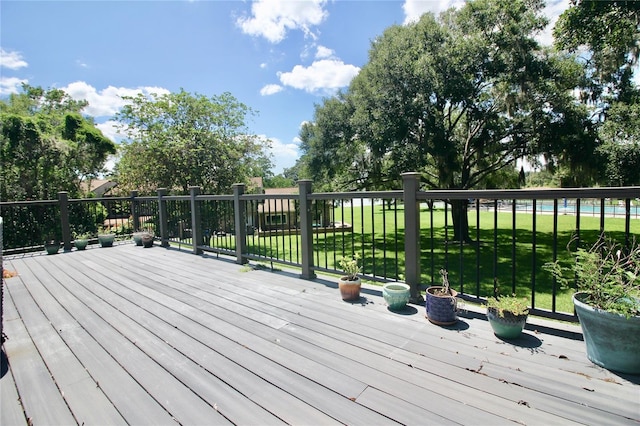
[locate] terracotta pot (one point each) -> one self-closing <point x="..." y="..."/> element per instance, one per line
<point x="349" y="290"/>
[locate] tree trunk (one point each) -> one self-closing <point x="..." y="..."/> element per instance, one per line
<point x="460" y="221"/>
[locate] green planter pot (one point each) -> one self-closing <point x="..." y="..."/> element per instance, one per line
<point x="81" y="244"/>
<point x="507" y="327"/>
<point x="612" y="340"/>
<point x="396" y="295"/>
<point x="106" y="240"/>
<point x="52" y="248"/>
<point x="137" y="238"/>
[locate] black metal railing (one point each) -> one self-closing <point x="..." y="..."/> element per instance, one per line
<point x="404" y="235"/>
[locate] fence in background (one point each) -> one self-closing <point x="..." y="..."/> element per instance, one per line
<point x="404" y="235"/>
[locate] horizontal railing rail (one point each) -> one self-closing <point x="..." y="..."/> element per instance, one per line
<point x="404" y="235"/>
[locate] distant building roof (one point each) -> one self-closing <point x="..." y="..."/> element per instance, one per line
<point x="98" y="186"/>
<point x="278" y="205"/>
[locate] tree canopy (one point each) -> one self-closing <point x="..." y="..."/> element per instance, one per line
<point x="458" y="98"/>
<point x="178" y="140"/>
<point x="47" y="145"/>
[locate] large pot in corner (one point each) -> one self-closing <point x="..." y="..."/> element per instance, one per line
<point x="612" y="341"/>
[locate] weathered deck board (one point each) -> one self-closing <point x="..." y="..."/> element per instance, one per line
<point x="156" y="336"/>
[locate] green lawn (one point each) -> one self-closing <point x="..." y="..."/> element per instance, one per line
<point x="382" y="250"/>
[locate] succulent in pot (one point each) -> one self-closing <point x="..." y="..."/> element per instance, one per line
<point x="507" y="315"/>
<point x="350" y="283"/>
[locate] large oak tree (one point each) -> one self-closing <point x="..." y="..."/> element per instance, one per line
<point x="459" y="98"/>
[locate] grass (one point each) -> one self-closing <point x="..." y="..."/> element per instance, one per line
<point x="501" y="258"/>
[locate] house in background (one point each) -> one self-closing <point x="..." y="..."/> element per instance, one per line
<point x="284" y="214"/>
<point x="98" y="187"/>
<point x="276" y="213"/>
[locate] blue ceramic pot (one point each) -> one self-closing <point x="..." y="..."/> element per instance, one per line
<point x="441" y="310"/>
<point x="612" y="340"/>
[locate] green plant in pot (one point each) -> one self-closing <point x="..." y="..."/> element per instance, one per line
<point x="81" y="240"/>
<point x="441" y="302"/>
<point x="106" y="237"/>
<point x="52" y="244"/>
<point x="350" y="284"/>
<point x="137" y="237"/>
<point x="507" y="315"/>
<point x="607" y="302"/>
<point x="147" y="238"/>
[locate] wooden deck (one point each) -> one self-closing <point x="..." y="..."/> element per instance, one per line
<point x="127" y="335"/>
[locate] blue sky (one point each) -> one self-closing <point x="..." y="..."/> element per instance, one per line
<point x="279" y="57"/>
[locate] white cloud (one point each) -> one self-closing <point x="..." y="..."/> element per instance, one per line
<point x="324" y="52"/>
<point x="106" y="102"/>
<point x="109" y="129"/>
<point x="271" y="89"/>
<point x="9" y="85"/>
<point x="325" y="75"/>
<point x="414" y="9"/>
<point x="272" y="19"/>
<point x="12" y="60"/>
<point x="284" y="154"/>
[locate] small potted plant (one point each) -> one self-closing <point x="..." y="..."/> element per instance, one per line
<point x="147" y="238"/>
<point x="137" y="237"/>
<point x="607" y="302"/>
<point x="507" y="315"/>
<point x="441" y="303"/>
<point x="350" y="283"/>
<point x="52" y="244"/>
<point x="81" y="240"/>
<point x="106" y="237"/>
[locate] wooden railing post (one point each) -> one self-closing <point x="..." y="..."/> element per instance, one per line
<point x="196" y="226"/>
<point x="135" y="211"/>
<point x="63" y="201"/>
<point x="163" y="218"/>
<point x="240" y="219"/>
<point x="306" y="229"/>
<point x="411" y="185"/>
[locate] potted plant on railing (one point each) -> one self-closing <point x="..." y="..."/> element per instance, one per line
<point x="441" y="302"/>
<point x="349" y="284"/>
<point x="607" y="276"/>
<point x="81" y="240"/>
<point x="106" y="237"/>
<point x="507" y="315"/>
